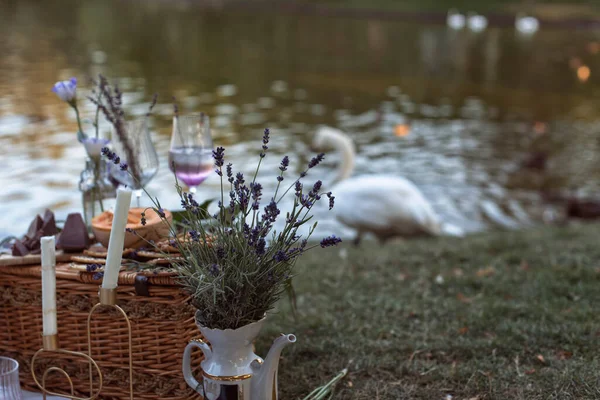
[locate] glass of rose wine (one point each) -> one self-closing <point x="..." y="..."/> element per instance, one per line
<point x="190" y="155"/>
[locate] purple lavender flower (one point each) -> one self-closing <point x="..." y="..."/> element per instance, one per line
<point x="316" y="160"/>
<point x="280" y="256"/>
<point x="161" y="212"/>
<point x="220" y="253"/>
<point x="330" y="241"/>
<point x="117" y="160"/>
<point x="92" y="267"/>
<point x="97" y="276"/>
<point x="314" y="193"/>
<point x="331" y="200"/>
<point x="260" y="247"/>
<point x="229" y="173"/>
<point x="256" y="190"/>
<point x="108" y="154"/>
<point x="298" y="189"/>
<point x="284" y="163"/>
<point x="194" y="235"/>
<point x="271" y="212"/>
<point x="66" y="90"/>
<point x="265" y="142"/>
<point x="143" y="219"/>
<point x="219" y="155"/>
<point x="280" y="178"/>
<point x="123" y="166"/>
<point x="214" y="269"/>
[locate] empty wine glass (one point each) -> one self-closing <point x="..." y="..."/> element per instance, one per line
<point x="135" y="149"/>
<point x="9" y="379"/>
<point x="190" y="155"/>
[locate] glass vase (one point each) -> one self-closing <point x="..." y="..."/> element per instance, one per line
<point x="97" y="190"/>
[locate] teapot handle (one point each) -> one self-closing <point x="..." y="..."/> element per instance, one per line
<point x="187" y="364"/>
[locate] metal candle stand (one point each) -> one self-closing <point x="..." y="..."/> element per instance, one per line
<point x="107" y="297"/>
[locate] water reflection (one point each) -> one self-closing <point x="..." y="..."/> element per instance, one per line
<point x="472" y="103"/>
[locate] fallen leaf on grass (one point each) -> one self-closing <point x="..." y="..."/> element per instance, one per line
<point x="541" y="358"/>
<point x="564" y="355"/>
<point x="350" y="384"/>
<point x="485" y="272"/>
<point x="530" y="371"/>
<point x="462" y="298"/>
<point x="463" y="330"/>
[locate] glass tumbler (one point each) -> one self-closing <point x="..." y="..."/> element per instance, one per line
<point x="10" y="389"/>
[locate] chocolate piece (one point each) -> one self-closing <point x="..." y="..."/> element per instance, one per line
<point x="49" y="226"/>
<point x="74" y="236"/>
<point x="34" y="227"/>
<point x="19" y="249"/>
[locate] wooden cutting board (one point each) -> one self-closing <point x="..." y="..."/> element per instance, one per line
<point x="32" y="259"/>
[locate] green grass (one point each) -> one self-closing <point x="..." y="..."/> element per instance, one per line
<point x="516" y="317"/>
<point x="444" y="5"/>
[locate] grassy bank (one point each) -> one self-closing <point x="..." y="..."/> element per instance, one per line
<point x="543" y="6"/>
<point x="493" y="316"/>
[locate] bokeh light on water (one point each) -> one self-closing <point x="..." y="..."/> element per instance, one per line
<point x="463" y="115"/>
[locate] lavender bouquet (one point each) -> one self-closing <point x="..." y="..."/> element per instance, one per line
<point x="234" y="263"/>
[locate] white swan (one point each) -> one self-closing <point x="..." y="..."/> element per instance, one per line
<point x="476" y="22"/>
<point x="455" y="20"/>
<point x="386" y="206"/>
<point x="526" y="24"/>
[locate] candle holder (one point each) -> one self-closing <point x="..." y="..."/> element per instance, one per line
<point x="50" y="345"/>
<point x="108" y="297"/>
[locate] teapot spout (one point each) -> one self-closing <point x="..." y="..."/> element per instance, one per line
<point x="264" y="380"/>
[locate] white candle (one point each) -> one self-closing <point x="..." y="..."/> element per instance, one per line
<point x="49" y="285"/>
<point x="117" y="239"/>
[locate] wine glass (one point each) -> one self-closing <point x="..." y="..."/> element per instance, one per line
<point x="190" y="155"/>
<point x="135" y="148"/>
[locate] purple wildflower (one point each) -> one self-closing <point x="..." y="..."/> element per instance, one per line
<point x="92" y="267"/>
<point x="316" y="160"/>
<point x="298" y="189"/>
<point x="265" y="142"/>
<point x="143" y="219"/>
<point x="194" y="235"/>
<point x="220" y="253"/>
<point x="331" y="200"/>
<point x="214" y="269"/>
<point x="66" y="90"/>
<point x="271" y="212"/>
<point x="280" y="256"/>
<point x="161" y="212"/>
<point x="284" y="163"/>
<point x="219" y="155"/>
<point x="124" y="166"/>
<point x="98" y="276"/>
<point x="330" y="241"/>
<point x="279" y="178"/>
<point x="260" y="247"/>
<point x="314" y="193"/>
<point x="229" y="173"/>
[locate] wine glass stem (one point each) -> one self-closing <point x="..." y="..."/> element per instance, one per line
<point x="193" y="189"/>
<point x="138" y="195"/>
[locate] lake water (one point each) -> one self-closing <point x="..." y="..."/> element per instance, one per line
<point x="489" y="125"/>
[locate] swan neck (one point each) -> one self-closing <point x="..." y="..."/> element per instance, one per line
<point x="347" y="152"/>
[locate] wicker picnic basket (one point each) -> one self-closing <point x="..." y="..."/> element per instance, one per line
<point x="162" y="324"/>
